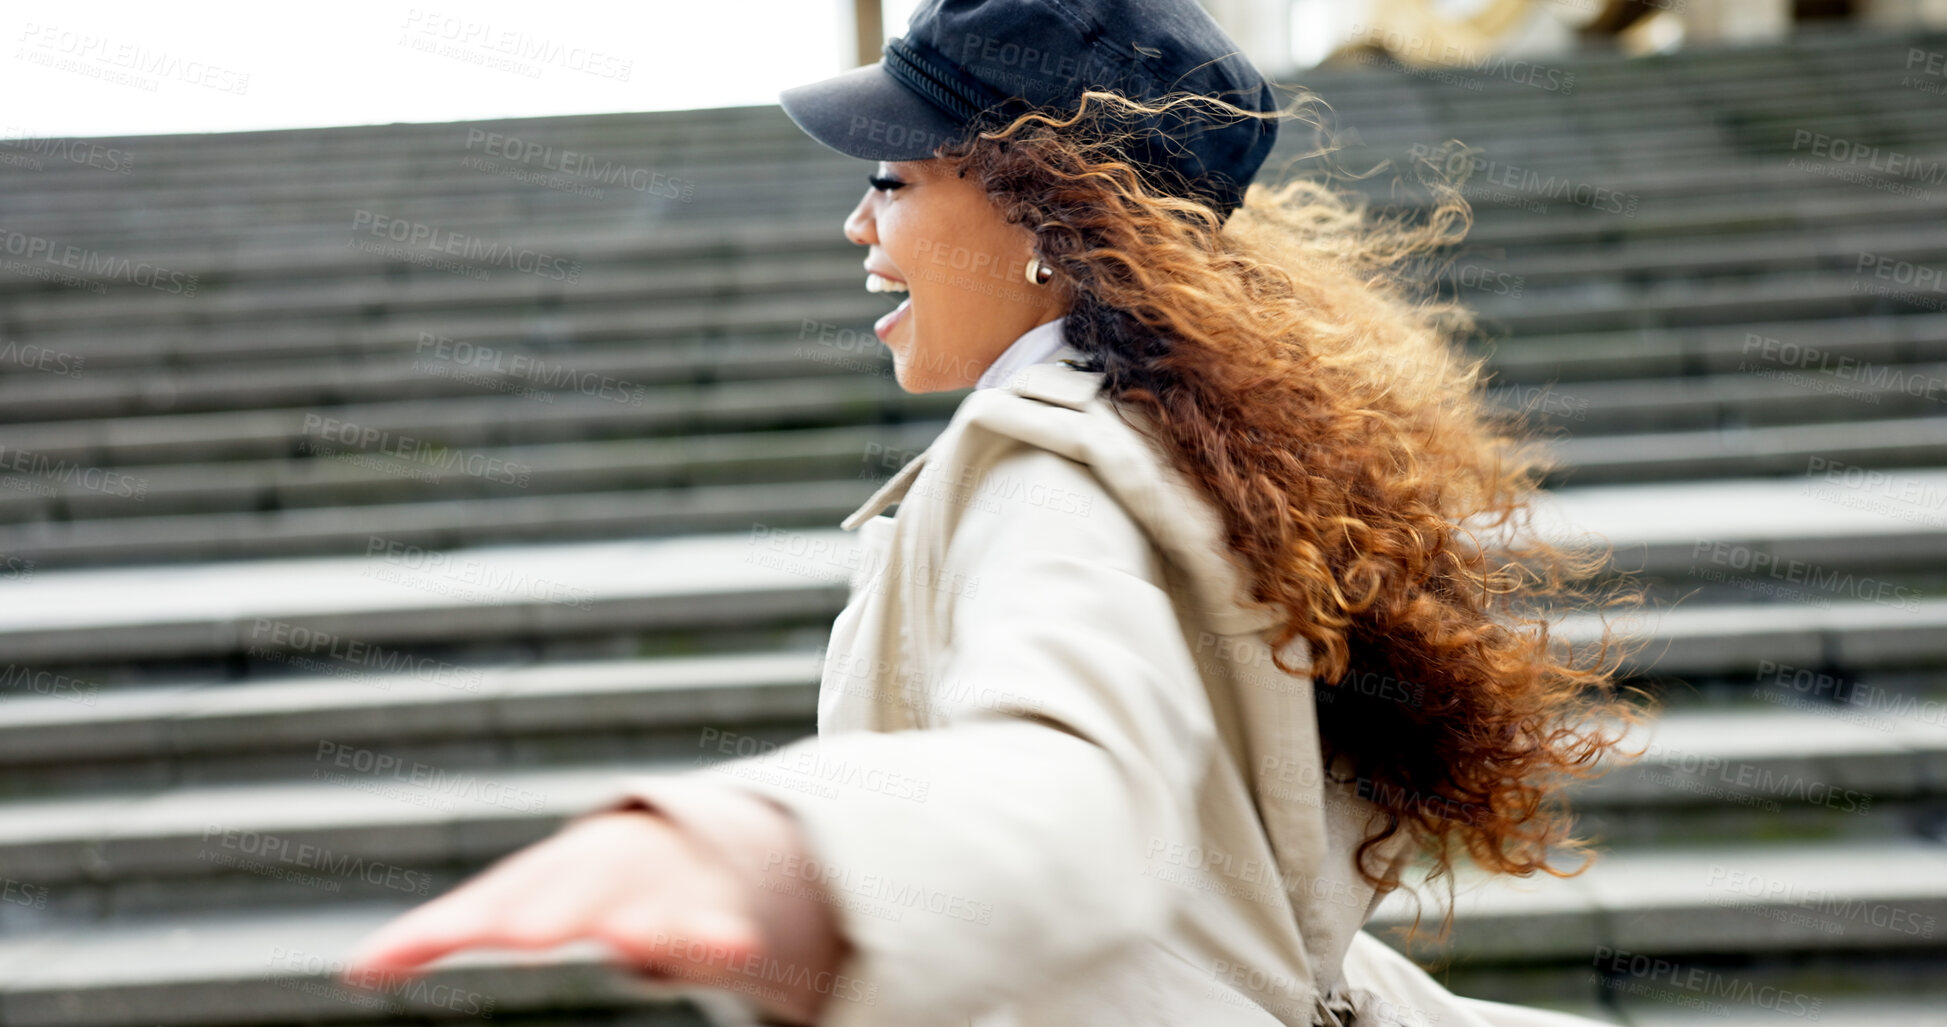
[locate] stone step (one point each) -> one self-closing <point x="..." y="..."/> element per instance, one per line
<point x="56" y="386"/>
<point x="1687" y="531"/>
<point x="1841" y="344"/>
<point x="610" y="410"/>
<point x="440" y="524"/>
<point x="1830" y="293"/>
<point x="338" y="476"/>
<point x="1762" y="392"/>
<point x="1805" y="750"/>
<point x="1778" y="449"/>
<point x="1794" y="449"/>
<point x="330" y="279"/>
<point x="459" y="447"/>
<point x="484" y="716"/>
<point x="277" y="967"/>
<point x="1642" y="167"/>
<point x="271" y="243"/>
<point x="1834" y="757"/>
<point x="690" y="328"/>
<point x="433" y="782"/>
<point x="1869" y="904"/>
<point x="485" y="494"/>
<point x="270" y="966"/>
<point x="402" y="594"/>
<point x="1804" y="295"/>
<point x="1745" y="899"/>
<point x="1882" y="518"/>
<point x="1757" y="252"/>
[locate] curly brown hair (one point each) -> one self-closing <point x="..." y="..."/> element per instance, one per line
<point x="1302" y="371"/>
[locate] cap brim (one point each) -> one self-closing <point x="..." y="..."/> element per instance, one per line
<point x="869" y="114"/>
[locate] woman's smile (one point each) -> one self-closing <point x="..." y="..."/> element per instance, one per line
<point x="881" y="281"/>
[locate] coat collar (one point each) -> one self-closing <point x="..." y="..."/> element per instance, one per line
<point x="1042" y="380"/>
<point x="1174" y="514"/>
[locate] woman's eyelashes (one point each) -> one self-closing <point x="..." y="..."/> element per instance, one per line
<point x="884" y="183"/>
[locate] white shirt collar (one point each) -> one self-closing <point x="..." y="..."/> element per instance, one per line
<point x="1034" y="346"/>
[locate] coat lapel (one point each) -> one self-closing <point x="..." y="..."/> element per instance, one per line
<point x="888" y="493"/>
<point x="1072" y="389"/>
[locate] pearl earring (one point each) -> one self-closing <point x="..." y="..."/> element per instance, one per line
<point x="1038" y="273"/>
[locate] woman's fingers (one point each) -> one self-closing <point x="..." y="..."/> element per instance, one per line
<point x="633" y="881"/>
<point x="703" y="946"/>
<point x="471" y="914"/>
<point x="423" y="935"/>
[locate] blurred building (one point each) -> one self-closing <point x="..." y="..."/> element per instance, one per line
<point x="1300" y="33"/>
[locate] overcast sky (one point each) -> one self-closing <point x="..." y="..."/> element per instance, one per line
<point x="113" y="67"/>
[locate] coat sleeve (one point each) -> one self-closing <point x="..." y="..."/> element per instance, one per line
<point x="992" y="855"/>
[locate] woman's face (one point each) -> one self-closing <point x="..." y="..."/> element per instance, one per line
<point x="962" y="265"/>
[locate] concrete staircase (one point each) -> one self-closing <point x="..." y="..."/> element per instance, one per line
<point x="335" y="562"/>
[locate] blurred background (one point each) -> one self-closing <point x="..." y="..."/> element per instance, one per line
<point x="412" y="419"/>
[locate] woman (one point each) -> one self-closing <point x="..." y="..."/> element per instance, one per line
<point x="1179" y="649"/>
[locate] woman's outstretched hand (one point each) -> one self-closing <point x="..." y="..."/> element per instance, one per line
<point x="670" y="904"/>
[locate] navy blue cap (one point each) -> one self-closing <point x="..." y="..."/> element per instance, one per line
<point x="967" y="65"/>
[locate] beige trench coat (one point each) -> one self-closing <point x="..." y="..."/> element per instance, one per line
<point x="1057" y="780"/>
